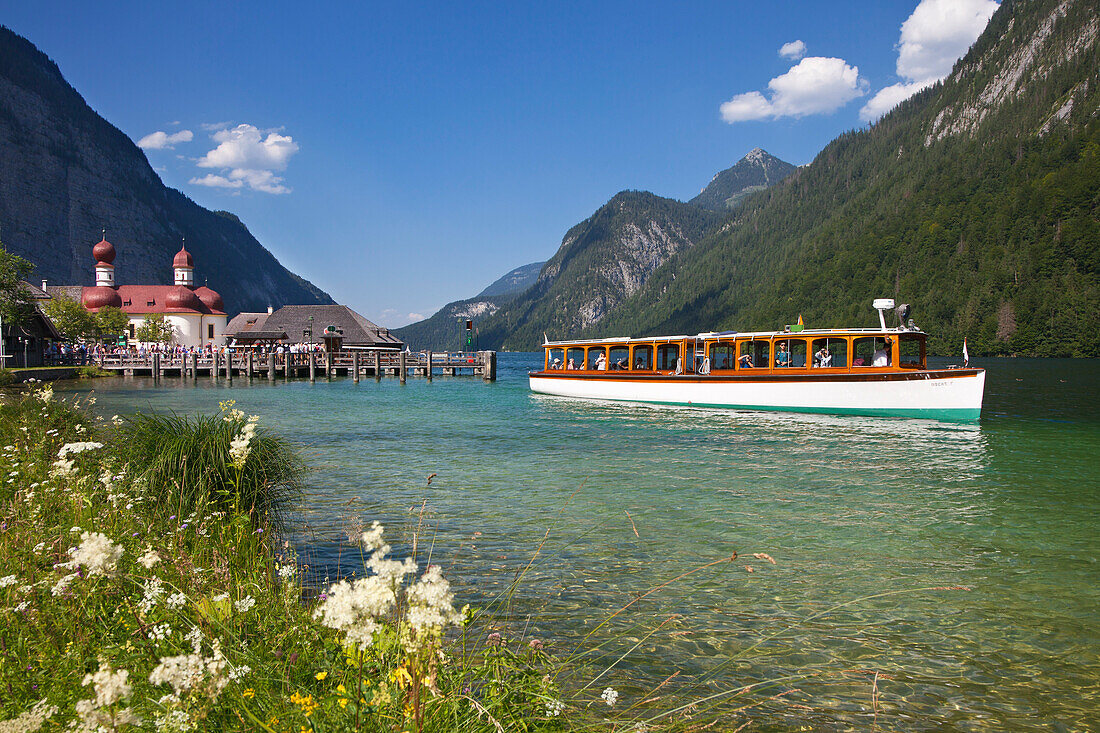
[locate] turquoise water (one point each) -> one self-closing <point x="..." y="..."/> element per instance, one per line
<point x="958" y="562"/>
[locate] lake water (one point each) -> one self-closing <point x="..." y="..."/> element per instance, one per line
<point x="957" y="562"/>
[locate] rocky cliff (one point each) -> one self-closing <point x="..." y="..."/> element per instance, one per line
<point x="68" y="174"/>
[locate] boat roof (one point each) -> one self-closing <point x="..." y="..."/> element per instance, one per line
<point x="735" y="334"/>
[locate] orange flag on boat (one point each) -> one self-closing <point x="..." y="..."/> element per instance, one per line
<point x="800" y="323"/>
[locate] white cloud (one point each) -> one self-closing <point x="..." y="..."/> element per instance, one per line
<point x="816" y="85"/>
<point x="246" y="147"/>
<point x="793" y="50"/>
<point x="247" y="156"/>
<point x="932" y="40"/>
<point x="162" y="140"/>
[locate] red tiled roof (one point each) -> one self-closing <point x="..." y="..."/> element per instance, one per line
<point x="142" y="299"/>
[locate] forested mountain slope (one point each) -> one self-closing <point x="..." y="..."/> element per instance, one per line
<point x="755" y="172"/>
<point x="977" y="201"/>
<point x="68" y="173"/>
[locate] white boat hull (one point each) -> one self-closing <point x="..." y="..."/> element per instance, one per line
<point x="945" y="394"/>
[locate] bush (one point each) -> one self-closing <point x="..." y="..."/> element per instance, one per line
<point x="91" y="371"/>
<point x="7" y="377"/>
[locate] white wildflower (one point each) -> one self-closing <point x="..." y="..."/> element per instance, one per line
<point x="22" y="606"/>
<point x="8" y="580"/>
<point x="74" y="448"/>
<point x="430" y="602"/>
<point x="102" y="712"/>
<point x="97" y="553"/>
<point x="287" y="571"/>
<point x="45" y="393"/>
<point x="193" y="672"/>
<point x="31" y="720"/>
<point x="149" y="559"/>
<point x="63" y="467"/>
<point x="61" y="585"/>
<point x="221" y="597"/>
<point x="238" y="673"/>
<point x="160" y="632"/>
<point x="39" y="547"/>
<point x="372" y="538"/>
<point x="154" y="589"/>
<point x="609" y="696"/>
<point x="175" y="600"/>
<point x="239" y="446"/>
<point x="245" y="603"/>
<point x="194" y="638"/>
<point x="554" y="708"/>
<point x="352" y="608"/>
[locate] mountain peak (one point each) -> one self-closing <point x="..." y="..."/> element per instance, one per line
<point x="757" y="170"/>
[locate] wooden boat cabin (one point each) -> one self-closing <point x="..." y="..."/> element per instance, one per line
<point x="731" y="354"/>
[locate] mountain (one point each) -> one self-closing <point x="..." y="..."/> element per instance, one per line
<point x="601" y="262"/>
<point x="977" y="201"/>
<point x="755" y="172"/>
<point x="515" y="281"/>
<point x="68" y="173"/>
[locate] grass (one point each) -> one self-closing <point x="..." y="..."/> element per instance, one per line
<point x="214" y="634"/>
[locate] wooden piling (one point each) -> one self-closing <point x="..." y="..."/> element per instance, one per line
<point x="214" y="366"/>
<point x="428" y="367"/>
<point x="271" y="366"/>
<point x="402" y="367"/>
<point x="355" y="367"/>
<point x="156" y="367"/>
<point x="377" y="366"/>
<point x="330" y="370"/>
<point x="248" y="367"/>
<point x="489" y="370"/>
<point x="312" y="367"/>
<point x="194" y="365"/>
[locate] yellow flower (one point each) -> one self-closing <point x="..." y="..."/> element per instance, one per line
<point x="402" y="677"/>
<point x="320" y="675"/>
<point x="341" y="688"/>
<point x="342" y="702"/>
<point x="248" y="693"/>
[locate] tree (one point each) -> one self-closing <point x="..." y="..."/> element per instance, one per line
<point x="155" y="330"/>
<point x="71" y="318"/>
<point x="16" y="303"/>
<point x="111" y="321"/>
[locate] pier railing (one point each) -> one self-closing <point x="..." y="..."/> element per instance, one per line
<point x="354" y="363"/>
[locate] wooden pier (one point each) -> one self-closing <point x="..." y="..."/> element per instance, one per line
<point x="355" y="364"/>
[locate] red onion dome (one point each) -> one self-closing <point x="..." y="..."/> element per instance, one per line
<point x="104" y="252"/>
<point x="99" y="296"/>
<point x="210" y="298"/>
<point x="181" y="297"/>
<point x="183" y="259"/>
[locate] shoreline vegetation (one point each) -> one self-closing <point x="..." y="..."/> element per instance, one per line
<point x="145" y="584"/>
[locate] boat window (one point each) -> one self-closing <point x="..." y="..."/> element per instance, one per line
<point x="574" y="358"/>
<point x="667" y="356"/>
<point x="643" y="357"/>
<point x="790" y="354"/>
<point x="911" y="351"/>
<point x="597" y="358"/>
<point x="555" y="358"/>
<point x="722" y="355"/>
<point x="753" y="355"/>
<point x="830" y="353"/>
<point x="871" y="351"/>
<point x="619" y="359"/>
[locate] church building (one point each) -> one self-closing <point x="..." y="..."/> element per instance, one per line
<point x="197" y="315"/>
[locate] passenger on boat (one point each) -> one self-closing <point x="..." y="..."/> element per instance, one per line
<point x="556" y="364"/>
<point x="571" y="365"/>
<point x="601" y="363"/>
<point x="783" y="358"/>
<point x="882" y="357"/>
<point x="823" y="358"/>
<point x="745" y="361"/>
<point x="619" y="366"/>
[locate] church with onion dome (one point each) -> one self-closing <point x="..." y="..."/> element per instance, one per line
<point x="197" y="315"/>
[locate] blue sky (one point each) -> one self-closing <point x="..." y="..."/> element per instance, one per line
<point x="403" y="155"/>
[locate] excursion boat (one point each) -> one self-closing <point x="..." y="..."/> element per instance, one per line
<point x="858" y="371"/>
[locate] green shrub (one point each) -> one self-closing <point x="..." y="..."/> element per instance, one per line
<point x="7" y="377"/>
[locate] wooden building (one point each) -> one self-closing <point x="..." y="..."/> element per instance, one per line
<point x="337" y="327"/>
